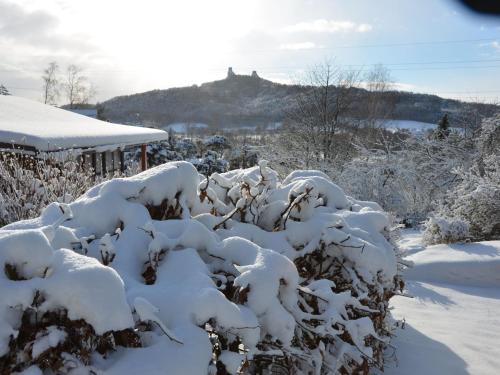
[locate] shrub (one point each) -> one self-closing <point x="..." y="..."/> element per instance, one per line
<point x="475" y="199"/>
<point x="445" y="230"/>
<point x="235" y="273"/>
<point x="29" y="184"/>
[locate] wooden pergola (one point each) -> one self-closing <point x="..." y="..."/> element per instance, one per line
<point x="32" y="128"/>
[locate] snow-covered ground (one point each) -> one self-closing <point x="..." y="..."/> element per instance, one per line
<point x="182" y="127"/>
<point x="412" y="126"/>
<point x="415" y="127"/>
<point x="253" y="128"/>
<point x="392" y="125"/>
<point x="453" y="320"/>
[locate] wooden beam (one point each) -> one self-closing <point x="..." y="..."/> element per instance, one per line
<point x="6" y="146"/>
<point x="144" y="163"/>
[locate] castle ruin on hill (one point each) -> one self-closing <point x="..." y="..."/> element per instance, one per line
<point x="230" y="73"/>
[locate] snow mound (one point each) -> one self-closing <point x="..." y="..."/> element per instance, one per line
<point x="168" y="271"/>
<point x="474" y="264"/>
<point x="450" y="285"/>
<point x="57" y="279"/>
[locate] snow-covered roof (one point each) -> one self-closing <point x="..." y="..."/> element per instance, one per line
<point x="46" y="128"/>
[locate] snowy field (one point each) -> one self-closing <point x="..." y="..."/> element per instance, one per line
<point x="253" y="128"/>
<point x="453" y="322"/>
<point x="182" y="127"/>
<point x="412" y="126"/>
<point x="392" y="125"/>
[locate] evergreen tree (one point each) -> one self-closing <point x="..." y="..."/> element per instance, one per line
<point x="443" y="129"/>
<point x="3" y="90"/>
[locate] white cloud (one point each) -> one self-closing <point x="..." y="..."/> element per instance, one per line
<point x="329" y="26"/>
<point x="299" y="46"/>
<point x="401" y="86"/>
<point x="398" y="86"/>
<point x="492" y="48"/>
<point x="363" y="28"/>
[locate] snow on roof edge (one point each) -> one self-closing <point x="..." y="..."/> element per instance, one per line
<point x="28" y="123"/>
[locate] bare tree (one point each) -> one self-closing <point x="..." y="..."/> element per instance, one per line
<point x="379" y="79"/>
<point x="50" y="83"/>
<point x="320" y="113"/>
<point x="471" y="115"/>
<point x="380" y="98"/>
<point x="78" y="88"/>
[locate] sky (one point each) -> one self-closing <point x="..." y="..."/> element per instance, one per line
<point x="124" y="47"/>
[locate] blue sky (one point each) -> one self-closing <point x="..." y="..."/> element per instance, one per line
<point x="433" y="46"/>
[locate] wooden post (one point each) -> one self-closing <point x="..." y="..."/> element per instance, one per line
<point x="122" y="160"/>
<point x="104" y="166"/>
<point x="94" y="162"/>
<point x="112" y="161"/>
<point x="144" y="163"/>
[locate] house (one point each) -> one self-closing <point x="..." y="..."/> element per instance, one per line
<point x="33" y="128"/>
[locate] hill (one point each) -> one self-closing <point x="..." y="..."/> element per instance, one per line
<point x="241" y="100"/>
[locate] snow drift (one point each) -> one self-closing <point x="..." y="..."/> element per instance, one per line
<point x="170" y="272"/>
<point x="474" y="264"/>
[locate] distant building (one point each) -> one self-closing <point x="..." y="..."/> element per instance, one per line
<point x="230" y="73"/>
<point x="33" y="128"/>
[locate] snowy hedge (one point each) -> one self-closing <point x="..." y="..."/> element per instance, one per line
<point x="166" y="272"/>
<point x="27" y="185"/>
<point x="205" y="160"/>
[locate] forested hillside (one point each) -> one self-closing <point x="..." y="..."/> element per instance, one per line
<point x="240" y="100"/>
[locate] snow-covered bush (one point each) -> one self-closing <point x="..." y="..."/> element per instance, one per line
<point x="186" y="147"/>
<point x="206" y="162"/>
<point x="488" y="140"/>
<point x="29" y="184"/>
<point x="210" y="163"/>
<point x="409" y="178"/>
<point x="57" y="307"/>
<point x="475" y="199"/>
<point x="445" y="230"/>
<point x="157" y="153"/>
<point x="237" y="273"/>
<point x="480" y="207"/>
<point x="217" y="143"/>
<point x="243" y="157"/>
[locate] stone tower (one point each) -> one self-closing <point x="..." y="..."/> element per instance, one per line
<point x="254" y="74"/>
<point x="230" y="72"/>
